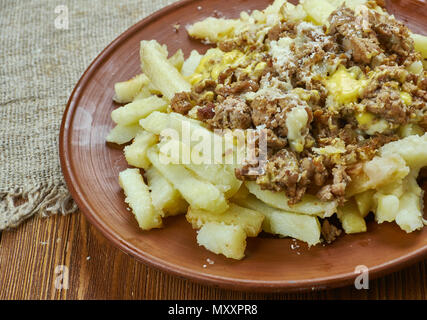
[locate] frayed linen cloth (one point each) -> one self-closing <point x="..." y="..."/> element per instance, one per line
<point x="45" y="46"/>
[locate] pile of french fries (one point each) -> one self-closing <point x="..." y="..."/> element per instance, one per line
<point x="224" y="209"/>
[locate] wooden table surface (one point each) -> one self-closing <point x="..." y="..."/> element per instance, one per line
<point x="30" y="256"/>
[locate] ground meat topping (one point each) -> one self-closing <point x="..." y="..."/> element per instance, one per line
<point x="354" y="35"/>
<point x="386" y="102"/>
<point x="283" y="172"/>
<point x="283" y="29"/>
<point x="330" y="232"/>
<point x="232" y="113"/>
<point x="207" y="112"/>
<point x="391" y="33"/>
<point x="287" y="171"/>
<point x="272" y="114"/>
<point x="335" y="190"/>
<point x="181" y="102"/>
<point x="269" y="114"/>
<point x="288" y="67"/>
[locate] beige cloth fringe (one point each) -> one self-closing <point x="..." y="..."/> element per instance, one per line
<point x="19" y="204"/>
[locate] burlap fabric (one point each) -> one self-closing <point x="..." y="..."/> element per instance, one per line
<point x="41" y="60"/>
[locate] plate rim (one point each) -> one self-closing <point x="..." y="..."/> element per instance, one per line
<point x="334" y="281"/>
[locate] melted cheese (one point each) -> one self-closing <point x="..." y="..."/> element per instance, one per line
<point x="344" y="85"/>
<point x="216" y="61"/>
<point x="371" y="124"/>
<point x="406" y="98"/>
<point x="296" y="122"/>
<point x="204" y="69"/>
<point x="365" y="118"/>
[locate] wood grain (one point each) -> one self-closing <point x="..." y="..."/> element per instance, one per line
<point x="97" y="270"/>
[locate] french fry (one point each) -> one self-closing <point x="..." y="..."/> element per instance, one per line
<point x="318" y="11"/>
<point x="293" y="12"/>
<point x="126" y="91"/>
<point x="229" y="240"/>
<point x="420" y="44"/>
<point x="132" y="112"/>
<point x="178" y="127"/>
<point x="159" y="70"/>
<point x="136" y="153"/>
<point x="145" y="92"/>
<point x="379" y="171"/>
<point x="275" y="7"/>
<point x="177" y="60"/>
<point x="199" y="194"/>
<point x="387" y="207"/>
<point x="241" y="194"/>
<point x="164" y="196"/>
<point x="139" y="200"/>
<point x="412" y="149"/>
<point x="157" y="122"/>
<point x="410" y="214"/>
<point x="191" y="63"/>
<point x="409" y="217"/>
<point x="287" y="224"/>
<point x="212" y="29"/>
<point x="308" y="205"/>
<point x="365" y="202"/>
<point x="350" y="217"/>
<point x="396" y="188"/>
<point x="217" y="174"/>
<point x="249" y="220"/>
<point x="353" y="4"/>
<point x="123" y="134"/>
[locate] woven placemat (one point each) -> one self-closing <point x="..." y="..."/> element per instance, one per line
<point x="45" y="47"/>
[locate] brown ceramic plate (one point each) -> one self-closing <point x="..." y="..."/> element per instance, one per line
<point x="91" y="169"/>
